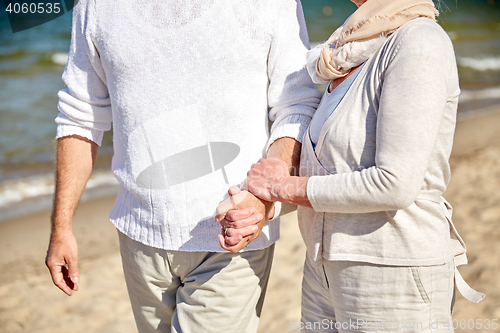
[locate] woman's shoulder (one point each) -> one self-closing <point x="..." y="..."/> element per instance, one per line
<point x="421" y="37"/>
<point x="422" y="32"/>
<point x="422" y="46"/>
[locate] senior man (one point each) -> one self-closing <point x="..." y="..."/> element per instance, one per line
<point x="189" y="87"/>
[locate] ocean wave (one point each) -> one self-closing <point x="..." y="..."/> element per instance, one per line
<point x="480" y="64"/>
<point x="488" y="93"/>
<point x="15" y="191"/>
<point x="453" y="35"/>
<point x="59" y="58"/>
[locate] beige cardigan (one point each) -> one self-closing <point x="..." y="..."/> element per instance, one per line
<point x="381" y="162"/>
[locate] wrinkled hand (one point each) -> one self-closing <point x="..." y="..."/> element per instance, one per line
<point x="242" y="219"/>
<point x="62" y="261"/>
<point x="267" y="179"/>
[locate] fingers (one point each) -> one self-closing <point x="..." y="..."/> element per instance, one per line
<point x="229" y="204"/>
<point x="236" y="248"/>
<point x="67" y="279"/>
<point x="234" y="236"/>
<point x="61" y="278"/>
<point x="241" y="214"/>
<point x="255" y="170"/>
<point x="62" y="262"/>
<point x="58" y="279"/>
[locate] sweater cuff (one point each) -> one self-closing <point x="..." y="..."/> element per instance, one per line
<point x="294" y="126"/>
<point x="317" y="202"/>
<point x="68" y="130"/>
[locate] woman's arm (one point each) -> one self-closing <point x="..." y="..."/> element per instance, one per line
<point x="270" y="180"/>
<point x="240" y="213"/>
<point x="417" y="83"/>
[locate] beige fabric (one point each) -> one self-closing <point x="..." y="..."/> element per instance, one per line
<point x="365" y="31"/>
<point x="175" y="291"/>
<point x="346" y="296"/>
<point x="381" y="162"/>
<point x="382" y="149"/>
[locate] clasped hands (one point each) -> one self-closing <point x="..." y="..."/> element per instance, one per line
<point x="244" y="214"/>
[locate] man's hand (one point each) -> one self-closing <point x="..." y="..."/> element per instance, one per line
<point x="75" y="158"/>
<point x="242" y="218"/>
<point x="237" y="223"/>
<point x="62" y="261"/>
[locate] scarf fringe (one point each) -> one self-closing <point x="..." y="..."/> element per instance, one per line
<point x="376" y="19"/>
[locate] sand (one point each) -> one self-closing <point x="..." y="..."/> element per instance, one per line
<point x="30" y="303"/>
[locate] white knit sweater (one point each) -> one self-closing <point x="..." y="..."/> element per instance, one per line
<point x="187" y="87"/>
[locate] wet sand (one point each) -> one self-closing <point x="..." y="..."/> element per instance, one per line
<point x="30" y="303"/>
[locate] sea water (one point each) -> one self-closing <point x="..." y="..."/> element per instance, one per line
<point x="32" y="61"/>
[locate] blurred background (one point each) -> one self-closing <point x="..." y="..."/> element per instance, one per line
<point x="32" y="61"/>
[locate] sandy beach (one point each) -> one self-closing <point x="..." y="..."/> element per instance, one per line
<point x="30" y="303"/>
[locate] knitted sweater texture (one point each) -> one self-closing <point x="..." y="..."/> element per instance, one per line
<point x="189" y="87"/>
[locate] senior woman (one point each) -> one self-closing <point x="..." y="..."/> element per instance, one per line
<point x="381" y="248"/>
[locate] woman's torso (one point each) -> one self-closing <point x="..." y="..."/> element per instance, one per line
<point x="416" y="235"/>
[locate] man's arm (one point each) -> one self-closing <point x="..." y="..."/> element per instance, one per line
<point x="292" y="101"/>
<point x="75" y="159"/>
<point x="287" y="150"/>
<point x="238" y="223"/>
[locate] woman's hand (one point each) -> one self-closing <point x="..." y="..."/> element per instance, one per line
<point x="270" y="180"/>
<point x="267" y="179"/>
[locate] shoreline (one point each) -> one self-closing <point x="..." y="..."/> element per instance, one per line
<point x="467" y="140"/>
<point x="476" y="130"/>
<point x="472" y="113"/>
<point x="43" y="203"/>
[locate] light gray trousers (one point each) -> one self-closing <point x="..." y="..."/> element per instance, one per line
<point x="346" y="296"/>
<point x="194" y="292"/>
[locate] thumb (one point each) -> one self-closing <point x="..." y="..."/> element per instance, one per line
<point x="222" y="209"/>
<point x="238" y="198"/>
<point x="230" y="203"/>
<point x="233" y="190"/>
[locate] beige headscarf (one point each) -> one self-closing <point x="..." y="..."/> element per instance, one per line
<point x="363" y="34"/>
